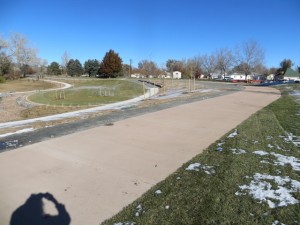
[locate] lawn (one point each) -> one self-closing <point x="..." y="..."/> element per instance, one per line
<point x="250" y="176"/>
<point x="25" y="85"/>
<point x="89" y="93"/>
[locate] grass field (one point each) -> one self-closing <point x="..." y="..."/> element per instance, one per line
<point x="25" y="85"/>
<point x="250" y="176"/>
<point x="87" y="93"/>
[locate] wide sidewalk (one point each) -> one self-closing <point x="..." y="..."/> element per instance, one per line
<point x="96" y="172"/>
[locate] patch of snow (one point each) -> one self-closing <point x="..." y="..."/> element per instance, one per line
<point x="178" y="178"/>
<point x="264" y="161"/>
<point x="260" y="189"/>
<point x="282" y="160"/>
<point x="291" y="138"/>
<point x="158" y="192"/>
<point x="26" y="130"/>
<point x="125" y="223"/>
<point x="209" y="169"/>
<point x="238" y="151"/>
<point x="220" y="148"/>
<point x="167" y="207"/>
<point x="261" y="153"/>
<point x="276" y="222"/>
<point x="270" y="146"/>
<point x="233" y="134"/>
<point x="9" y="144"/>
<point x="255" y="142"/>
<point x="197" y="166"/>
<point x="139" y="209"/>
<point x="193" y="166"/>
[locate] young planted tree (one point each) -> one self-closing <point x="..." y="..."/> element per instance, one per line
<point x="91" y="67"/>
<point x="74" y="68"/>
<point x="111" y="65"/>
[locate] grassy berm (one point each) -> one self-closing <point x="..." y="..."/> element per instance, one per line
<point x="218" y="189"/>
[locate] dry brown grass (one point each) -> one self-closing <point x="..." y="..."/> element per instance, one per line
<point x="25" y="85"/>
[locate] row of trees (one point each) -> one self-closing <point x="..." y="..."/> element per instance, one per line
<point x="247" y="58"/>
<point x="110" y="66"/>
<point x="18" y="57"/>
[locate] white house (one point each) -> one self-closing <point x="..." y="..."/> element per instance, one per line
<point x="177" y="75"/>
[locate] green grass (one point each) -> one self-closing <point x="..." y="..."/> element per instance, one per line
<point x="199" y="198"/>
<point x="91" y="92"/>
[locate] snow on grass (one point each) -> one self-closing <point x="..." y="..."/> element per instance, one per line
<point x="139" y="210"/>
<point x="193" y="166"/>
<point x="290" y="138"/>
<point x="260" y="153"/>
<point x="278" y="195"/>
<point x="167" y="207"/>
<point x="26" y="130"/>
<point x="233" y="134"/>
<point x="238" y="151"/>
<point x="125" y="223"/>
<point x="282" y="160"/>
<point x="197" y="166"/>
<point x="158" y="192"/>
<point x="276" y="222"/>
<point x="9" y="144"/>
<point x="219" y="146"/>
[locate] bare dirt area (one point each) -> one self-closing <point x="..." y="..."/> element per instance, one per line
<point x="9" y="109"/>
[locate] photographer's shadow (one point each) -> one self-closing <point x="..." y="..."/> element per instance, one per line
<point x="32" y="212"/>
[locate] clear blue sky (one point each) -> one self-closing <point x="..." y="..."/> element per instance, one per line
<point x="154" y="29"/>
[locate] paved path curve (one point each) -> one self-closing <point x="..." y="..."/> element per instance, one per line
<point x="97" y="172"/>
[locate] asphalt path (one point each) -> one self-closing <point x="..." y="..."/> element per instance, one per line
<point x="19" y="140"/>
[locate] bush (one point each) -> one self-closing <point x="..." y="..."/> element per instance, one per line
<point x="2" y="79"/>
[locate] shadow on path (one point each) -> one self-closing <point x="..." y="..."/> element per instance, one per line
<point x="32" y="212"/>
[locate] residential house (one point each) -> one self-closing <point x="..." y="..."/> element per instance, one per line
<point x="291" y="74"/>
<point x="176" y="75"/>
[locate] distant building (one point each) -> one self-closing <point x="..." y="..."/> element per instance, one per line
<point x="291" y="74"/>
<point x="176" y="75"/>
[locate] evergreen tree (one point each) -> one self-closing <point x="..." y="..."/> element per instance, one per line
<point x="111" y="65"/>
<point x="91" y="67"/>
<point x="54" y="69"/>
<point x="74" y="68"/>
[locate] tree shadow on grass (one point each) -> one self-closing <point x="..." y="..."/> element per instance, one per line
<point x="32" y="212"/>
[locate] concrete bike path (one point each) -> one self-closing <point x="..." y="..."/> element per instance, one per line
<point x="96" y="172"/>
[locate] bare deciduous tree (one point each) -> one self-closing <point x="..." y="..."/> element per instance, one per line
<point x="224" y="60"/>
<point x="64" y="61"/>
<point x="249" y="55"/>
<point x="23" y="55"/>
<point x="208" y="64"/>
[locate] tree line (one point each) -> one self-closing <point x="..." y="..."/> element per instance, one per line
<point x="18" y="58"/>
